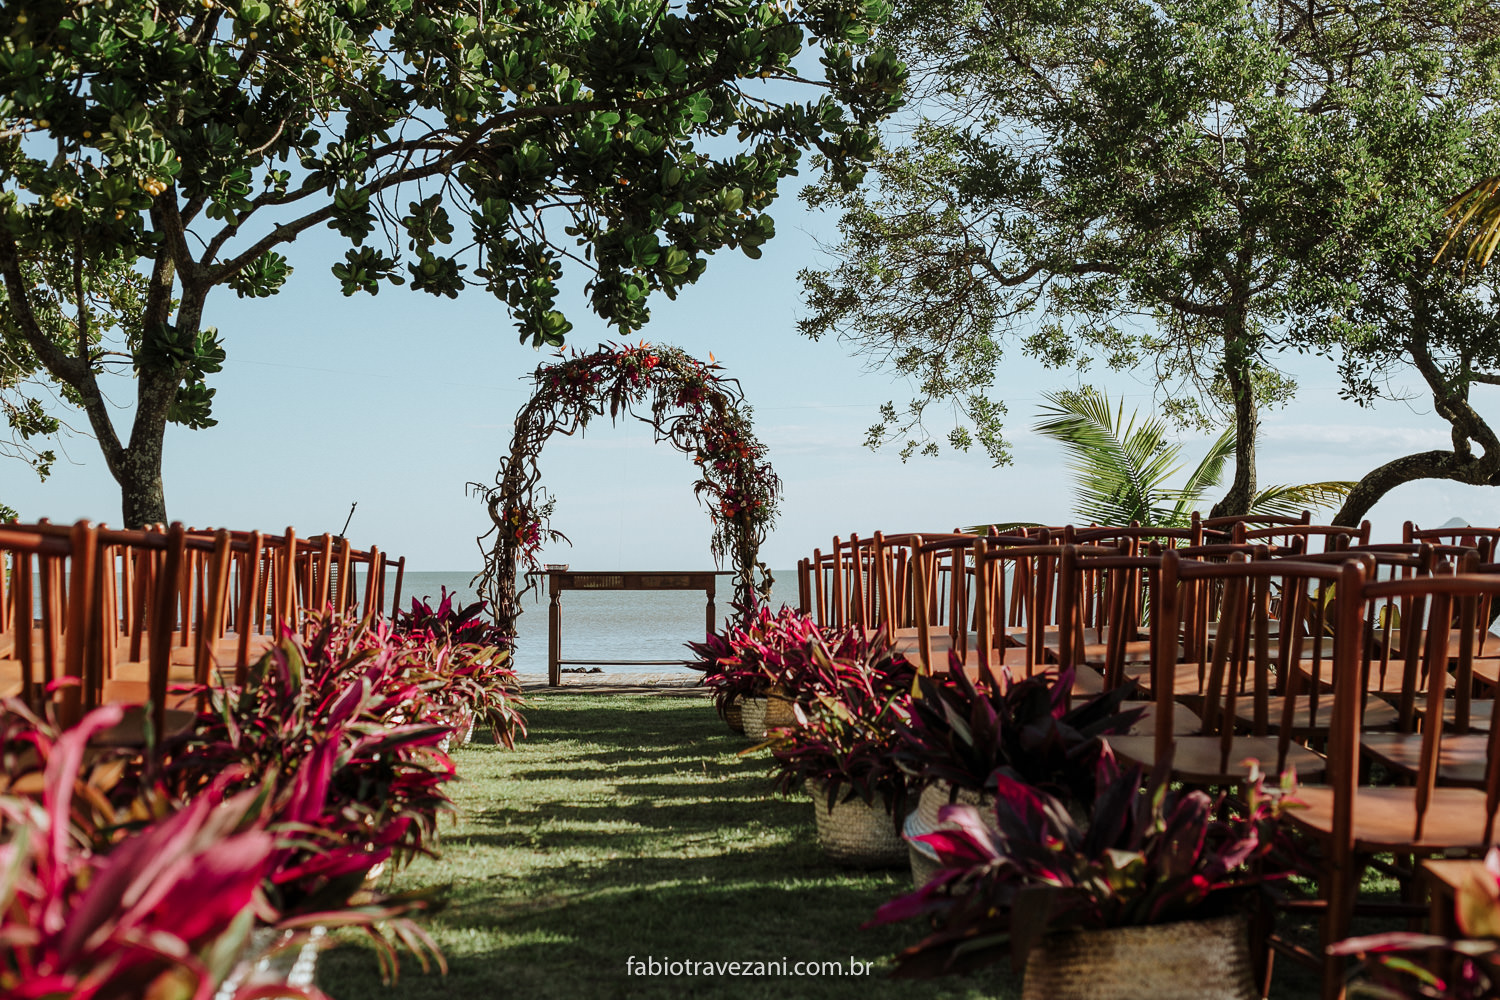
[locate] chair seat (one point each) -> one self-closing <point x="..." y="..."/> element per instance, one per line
<point x="1087" y="682"/>
<point x="1384" y="818"/>
<point x="909" y="644"/>
<point x="1052" y="639"/>
<point x="1487" y="668"/>
<point x="1481" y="710"/>
<point x="1461" y="758"/>
<point x="1379" y="714"/>
<point x="1388" y="684"/>
<point x="1486" y="646"/>
<point x="131" y="730"/>
<point x="1186" y="678"/>
<point x="1184" y="720"/>
<point x="136" y="670"/>
<point x="1013" y="658"/>
<point x="1136" y="651"/>
<point x="1195" y="759"/>
<point x="139" y="692"/>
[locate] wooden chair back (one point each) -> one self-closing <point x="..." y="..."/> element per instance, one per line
<point x="1312" y="537"/>
<point x="1113" y="592"/>
<point x="1262" y="606"/>
<point x="36" y="619"/>
<point x="1439" y="604"/>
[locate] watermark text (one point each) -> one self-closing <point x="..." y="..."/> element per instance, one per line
<point x="653" y="966"/>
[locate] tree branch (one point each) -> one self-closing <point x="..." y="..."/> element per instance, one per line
<point x="76" y="373"/>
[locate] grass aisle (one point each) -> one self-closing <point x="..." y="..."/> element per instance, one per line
<point x="626" y="826"/>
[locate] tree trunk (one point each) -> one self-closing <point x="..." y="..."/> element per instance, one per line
<point x="142" y="498"/>
<point x="1246" y="424"/>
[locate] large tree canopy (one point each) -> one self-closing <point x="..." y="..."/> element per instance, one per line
<point x="1190" y="185"/>
<point x="151" y="152"/>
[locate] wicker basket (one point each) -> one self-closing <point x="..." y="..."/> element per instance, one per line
<point x="924" y="859"/>
<point x="1192" y="960"/>
<point x="857" y="834"/>
<point x="734" y="715"/>
<point x="936" y="796"/>
<point x="760" y="715"/>
<point x="290" y="968"/>
<point x="461" y="735"/>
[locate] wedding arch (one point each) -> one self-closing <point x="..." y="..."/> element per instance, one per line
<point x="689" y="405"/>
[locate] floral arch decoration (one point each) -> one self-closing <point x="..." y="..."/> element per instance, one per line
<point x="689" y="404"/>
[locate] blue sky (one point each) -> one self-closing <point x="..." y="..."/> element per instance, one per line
<point x="398" y="401"/>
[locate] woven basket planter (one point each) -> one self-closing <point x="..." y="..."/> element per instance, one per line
<point x="734" y="715"/>
<point x="857" y="834"/>
<point x="296" y="968"/>
<point x="924" y="860"/>
<point x="760" y="715"/>
<point x="461" y="735"/>
<point x="1192" y="960"/>
<point x="936" y="796"/>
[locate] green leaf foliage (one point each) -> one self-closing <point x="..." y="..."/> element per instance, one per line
<point x="1189" y="188"/>
<point x="190" y="140"/>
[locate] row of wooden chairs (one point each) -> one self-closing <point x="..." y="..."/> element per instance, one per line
<point x="91" y="615"/>
<point x="1290" y="644"/>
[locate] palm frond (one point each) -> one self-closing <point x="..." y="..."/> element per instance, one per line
<point x="1202" y="479"/>
<point x="1211" y="469"/>
<point x="1480" y="204"/>
<point x="1119" y="467"/>
<point x="1001" y="528"/>
<point x="1289" y="501"/>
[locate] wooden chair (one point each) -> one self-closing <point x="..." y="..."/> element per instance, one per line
<point x="1482" y="540"/>
<point x="1312" y="537"/>
<point x="940" y="600"/>
<point x="1241" y="670"/>
<point x="32" y="566"/>
<point x="160" y="559"/>
<point x="1229" y="522"/>
<point x="1107" y="613"/>
<point x="1030" y="612"/>
<point x="1352" y="822"/>
<point x="1136" y="537"/>
<point x="1123" y="591"/>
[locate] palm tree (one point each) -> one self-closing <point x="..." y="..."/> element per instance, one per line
<point x="1122" y="470"/>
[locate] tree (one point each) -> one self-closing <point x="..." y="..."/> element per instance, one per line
<point x="1122" y="470"/>
<point x="188" y="142"/>
<point x="1139" y="183"/>
<point x="1439" y="321"/>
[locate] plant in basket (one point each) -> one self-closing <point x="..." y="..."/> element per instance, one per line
<point x="1407" y="966"/>
<point x="165" y="913"/>
<point x="1143" y="855"/>
<point x="156" y="896"/>
<point x="748" y="659"/>
<point x="965" y="734"/>
<point x="455" y="683"/>
<point x="477" y="682"/>
<point x="384" y="780"/>
<point x="450" y="623"/>
<point x="772" y="654"/>
<point x="842" y="745"/>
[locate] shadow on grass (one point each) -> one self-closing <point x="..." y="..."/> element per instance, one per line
<point x="629" y="827"/>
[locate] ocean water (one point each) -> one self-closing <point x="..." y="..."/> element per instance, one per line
<point x="602" y="624"/>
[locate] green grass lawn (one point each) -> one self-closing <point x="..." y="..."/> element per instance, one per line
<point x="627" y="826"/>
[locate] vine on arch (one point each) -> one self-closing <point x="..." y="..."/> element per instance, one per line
<point x="690" y="405"/>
